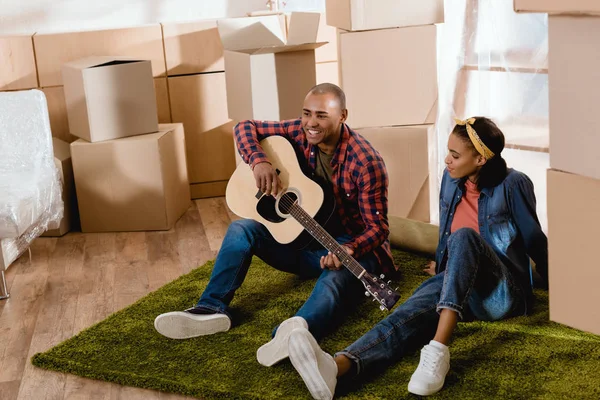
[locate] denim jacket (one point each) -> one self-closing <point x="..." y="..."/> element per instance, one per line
<point x="507" y="222"/>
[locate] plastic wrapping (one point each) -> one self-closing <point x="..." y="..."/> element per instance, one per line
<point x="30" y="188"/>
<point x="493" y="62"/>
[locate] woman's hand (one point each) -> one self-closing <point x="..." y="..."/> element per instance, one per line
<point x="430" y="268"/>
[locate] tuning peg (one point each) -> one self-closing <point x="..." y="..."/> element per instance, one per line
<point x="389" y="282"/>
<point x="382" y="308"/>
<point x="382" y="276"/>
<point x="374" y="299"/>
<point x="397" y="288"/>
<point x="367" y="294"/>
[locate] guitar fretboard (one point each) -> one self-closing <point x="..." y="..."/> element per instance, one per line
<point x="323" y="237"/>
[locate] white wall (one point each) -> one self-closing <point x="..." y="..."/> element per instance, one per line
<point x="29" y="16"/>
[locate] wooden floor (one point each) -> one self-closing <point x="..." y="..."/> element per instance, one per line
<point x="72" y="282"/>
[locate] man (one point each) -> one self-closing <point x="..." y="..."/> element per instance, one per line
<point x="357" y="176"/>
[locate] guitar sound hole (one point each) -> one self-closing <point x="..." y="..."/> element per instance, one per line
<point x="266" y="208"/>
<point x="286" y="202"/>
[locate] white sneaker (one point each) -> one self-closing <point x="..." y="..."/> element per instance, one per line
<point x="317" y="368"/>
<point x="431" y="372"/>
<point x="187" y="324"/>
<point x="277" y="349"/>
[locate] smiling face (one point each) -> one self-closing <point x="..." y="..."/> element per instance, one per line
<point x="462" y="159"/>
<point x="322" y="117"/>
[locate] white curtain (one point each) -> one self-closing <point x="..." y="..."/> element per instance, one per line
<point x="493" y="62"/>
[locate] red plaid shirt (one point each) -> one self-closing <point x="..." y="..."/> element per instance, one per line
<point x="359" y="179"/>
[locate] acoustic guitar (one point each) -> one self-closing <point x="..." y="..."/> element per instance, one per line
<point x="292" y="212"/>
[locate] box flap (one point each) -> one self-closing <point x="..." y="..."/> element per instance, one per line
<point x="94" y="61"/>
<point x="303" y="27"/>
<point x="251" y="32"/>
<point x="283" y="48"/>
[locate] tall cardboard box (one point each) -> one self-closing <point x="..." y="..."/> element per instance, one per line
<point x="361" y="15"/>
<point x="109" y="97"/>
<point x="138" y="183"/>
<point x="267" y="76"/>
<point x="200" y="103"/>
<point x="574" y="94"/>
<point x="17" y="63"/>
<point x="573" y="7"/>
<point x="52" y="50"/>
<point x="62" y="159"/>
<point x="573" y="231"/>
<point x="389" y="76"/>
<point x="192" y="47"/>
<point x="405" y="154"/>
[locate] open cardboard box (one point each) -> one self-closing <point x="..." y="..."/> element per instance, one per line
<point x="268" y="73"/>
<point x="109" y="97"/>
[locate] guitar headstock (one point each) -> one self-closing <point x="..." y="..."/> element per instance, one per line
<point x="380" y="290"/>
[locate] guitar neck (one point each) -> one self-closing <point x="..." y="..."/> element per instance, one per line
<point x="328" y="241"/>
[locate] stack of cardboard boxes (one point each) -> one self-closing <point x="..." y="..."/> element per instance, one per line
<point x="198" y="98"/>
<point x="268" y="71"/>
<point x="130" y="172"/>
<point x="388" y="70"/>
<point x="52" y="51"/>
<point x="270" y="65"/>
<point x="574" y="174"/>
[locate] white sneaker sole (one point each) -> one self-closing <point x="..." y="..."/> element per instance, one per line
<point x="184" y="325"/>
<point x="303" y="358"/>
<point x="421" y="391"/>
<point x="276" y="350"/>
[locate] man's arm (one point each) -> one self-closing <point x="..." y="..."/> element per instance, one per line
<point x="522" y="203"/>
<point x="372" y="202"/>
<point x="249" y="133"/>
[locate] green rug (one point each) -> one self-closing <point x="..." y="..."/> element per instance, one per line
<point x="521" y="358"/>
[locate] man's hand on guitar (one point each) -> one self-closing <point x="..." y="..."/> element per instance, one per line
<point x="267" y="180"/>
<point x="330" y="261"/>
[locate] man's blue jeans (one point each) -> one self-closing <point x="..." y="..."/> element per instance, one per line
<point x="333" y="295"/>
<point x="475" y="284"/>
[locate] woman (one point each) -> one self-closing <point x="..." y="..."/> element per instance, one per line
<point x="488" y="231"/>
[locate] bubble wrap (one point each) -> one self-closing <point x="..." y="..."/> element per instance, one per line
<point x="30" y="188"/>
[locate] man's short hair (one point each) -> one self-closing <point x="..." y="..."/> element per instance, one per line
<point x="323" y="88"/>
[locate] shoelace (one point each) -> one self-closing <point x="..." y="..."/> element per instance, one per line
<point x="430" y="359"/>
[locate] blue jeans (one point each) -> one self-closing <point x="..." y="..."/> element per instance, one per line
<point x="333" y="295"/>
<point x="474" y="283"/>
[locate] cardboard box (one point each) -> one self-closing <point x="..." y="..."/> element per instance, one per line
<point x="208" y="189"/>
<point x="193" y="47"/>
<point x="393" y="82"/>
<point x="57" y="108"/>
<point x="573" y="7"/>
<point x="109" y="98"/>
<point x="326" y="33"/>
<point x="17" y="63"/>
<point x="573" y="231"/>
<point x="138" y="183"/>
<point x="163" y="108"/>
<point x="62" y="159"/>
<point x="361" y="15"/>
<point x="574" y="94"/>
<point x="199" y="101"/>
<point x="328" y="72"/>
<point x="268" y="77"/>
<point x="404" y="151"/>
<point x="55" y="49"/>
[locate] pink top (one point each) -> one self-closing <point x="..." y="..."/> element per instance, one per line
<point x="465" y="215"/>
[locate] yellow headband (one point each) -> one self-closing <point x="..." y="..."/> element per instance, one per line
<point x="475" y="139"/>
